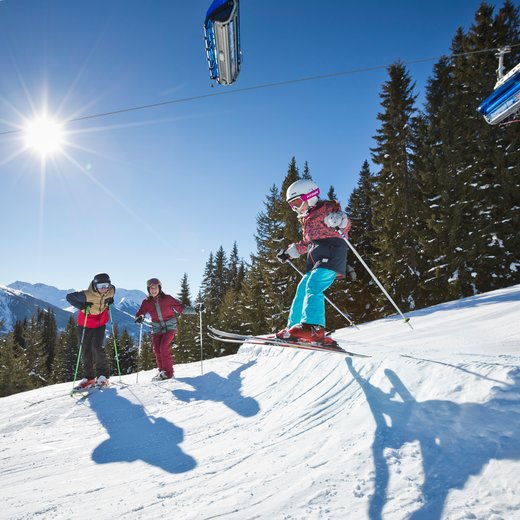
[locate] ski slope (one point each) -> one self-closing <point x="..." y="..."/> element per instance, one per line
<point x="427" y="428"/>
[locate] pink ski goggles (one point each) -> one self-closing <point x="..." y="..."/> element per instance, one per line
<point x="299" y="201"/>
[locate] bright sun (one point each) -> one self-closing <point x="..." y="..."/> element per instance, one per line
<point x="44" y="136"/>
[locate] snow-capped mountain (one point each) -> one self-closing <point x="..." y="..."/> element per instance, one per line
<point x="17" y="306"/>
<point x="21" y="299"/>
<point x="427" y="428"/>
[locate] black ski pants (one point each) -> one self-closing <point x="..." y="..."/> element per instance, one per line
<point x="93" y="354"/>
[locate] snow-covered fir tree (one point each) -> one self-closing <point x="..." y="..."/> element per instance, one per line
<point x="396" y="197"/>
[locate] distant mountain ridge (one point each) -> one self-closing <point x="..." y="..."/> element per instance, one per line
<point x="16" y="306"/>
<point x="20" y="300"/>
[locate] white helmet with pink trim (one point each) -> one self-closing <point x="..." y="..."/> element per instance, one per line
<point x="305" y="190"/>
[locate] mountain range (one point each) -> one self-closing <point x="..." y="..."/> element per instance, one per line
<point x="20" y="300"/>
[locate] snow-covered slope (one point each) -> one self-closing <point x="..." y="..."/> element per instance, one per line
<point x="427" y="428"/>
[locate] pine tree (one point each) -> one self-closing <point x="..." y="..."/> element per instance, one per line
<point x="47" y="322"/>
<point x="127" y="353"/>
<point x="470" y="170"/>
<point x="112" y="342"/>
<point x="306" y="170"/>
<point x="233" y="269"/>
<point x="221" y="277"/>
<point x="494" y="178"/>
<point x="13" y="374"/>
<point x="187" y="340"/>
<point x="146" y="356"/>
<point x="439" y="182"/>
<point x="66" y="357"/>
<point x="361" y="290"/>
<point x="184" y="293"/>
<point x="331" y="194"/>
<point x="214" y="287"/>
<point x="277" y="227"/>
<point x="33" y="353"/>
<point x="253" y="306"/>
<point x="395" y="198"/>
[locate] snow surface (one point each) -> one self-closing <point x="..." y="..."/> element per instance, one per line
<point x="427" y="428"/>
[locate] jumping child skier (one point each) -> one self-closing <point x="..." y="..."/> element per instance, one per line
<point x="326" y="260"/>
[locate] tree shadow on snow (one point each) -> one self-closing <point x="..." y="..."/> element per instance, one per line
<point x="226" y="390"/>
<point x="456" y="440"/>
<point x="135" y="435"/>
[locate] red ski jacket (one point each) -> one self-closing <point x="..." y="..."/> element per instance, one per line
<point x="169" y="308"/>
<point x="98" y="314"/>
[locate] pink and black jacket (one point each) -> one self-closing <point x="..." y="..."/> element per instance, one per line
<point x="163" y="311"/>
<point x="324" y="247"/>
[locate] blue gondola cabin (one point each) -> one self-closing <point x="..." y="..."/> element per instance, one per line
<point x="222" y="36"/>
<point x="504" y="101"/>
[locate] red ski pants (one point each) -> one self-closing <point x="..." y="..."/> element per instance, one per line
<point x="161" y="348"/>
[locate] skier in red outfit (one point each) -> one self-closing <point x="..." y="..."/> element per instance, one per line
<point x="93" y="305"/>
<point x="163" y="309"/>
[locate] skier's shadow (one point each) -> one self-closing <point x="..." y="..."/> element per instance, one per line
<point x="227" y="390"/>
<point x="456" y="440"/>
<point x="135" y="435"/>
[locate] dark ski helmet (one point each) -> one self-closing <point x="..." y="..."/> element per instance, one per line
<point x="153" y="281"/>
<point x="100" y="278"/>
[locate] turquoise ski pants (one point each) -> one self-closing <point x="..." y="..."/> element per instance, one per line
<point x="308" y="305"/>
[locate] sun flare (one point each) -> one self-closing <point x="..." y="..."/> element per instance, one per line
<point x="45" y="136"/>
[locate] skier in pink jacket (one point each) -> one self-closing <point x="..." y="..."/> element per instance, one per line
<point x="326" y="259"/>
<point x="163" y="310"/>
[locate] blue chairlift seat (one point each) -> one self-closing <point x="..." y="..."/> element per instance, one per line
<point x="504" y="101"/>
<point x="222" y="36"/>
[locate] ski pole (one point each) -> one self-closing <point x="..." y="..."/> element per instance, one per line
<point x="346" y="316"/>
<point x="201" y="350"/>
<point x="115" y="346"/>
<point x="353" y="249"/>
<point x="139" y="352"/>
<point x="79" y="351"/>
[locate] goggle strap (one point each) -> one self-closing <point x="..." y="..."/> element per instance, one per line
<point x="313" y="193"/>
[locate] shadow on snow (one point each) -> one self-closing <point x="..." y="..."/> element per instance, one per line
<point x="135" y="435"/>
<point x="456" y="440"/>
<point x="213" y="387"/>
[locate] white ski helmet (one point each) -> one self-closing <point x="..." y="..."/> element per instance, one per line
<point x="305" y="189"/>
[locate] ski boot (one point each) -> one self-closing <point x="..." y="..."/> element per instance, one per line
<point x="85" y="384"/>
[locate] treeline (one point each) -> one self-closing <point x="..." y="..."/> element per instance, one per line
<point x="35" y="354"/>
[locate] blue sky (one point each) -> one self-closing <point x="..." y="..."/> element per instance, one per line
<point x="152" y="192"/>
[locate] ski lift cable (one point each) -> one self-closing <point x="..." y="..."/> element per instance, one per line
<point x="263" y="86"/>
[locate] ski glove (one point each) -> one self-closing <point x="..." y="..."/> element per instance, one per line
<point x="109" y="301"/>
<point x="284" y="254"/>
<point x="337" y="219"/>
<point x="199" y="307"/>
<point x="84" y="305"/>
<point x="139" y="319"/>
